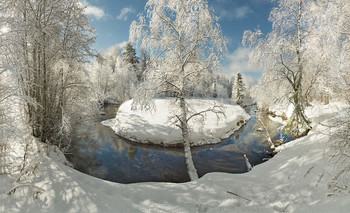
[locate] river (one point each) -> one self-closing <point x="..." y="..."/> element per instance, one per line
<point x="99" y="152"/>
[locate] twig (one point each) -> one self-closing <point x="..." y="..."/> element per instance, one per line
<point x="308" y="171"/>
<point x="37" y="190"/>
<point x="319" y="179"/>
<point x="285" y="208"/>
<point x="232" y="193"/>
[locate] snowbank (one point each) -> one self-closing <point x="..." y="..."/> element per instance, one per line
<point x="317" y="112"/>
<point x="157" y="126"/>
<point x="295" y="180"/>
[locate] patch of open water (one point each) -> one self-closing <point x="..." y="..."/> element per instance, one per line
<point x="99" y="152"/>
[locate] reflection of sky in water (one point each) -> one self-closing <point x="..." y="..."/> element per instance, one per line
<point x="100" y="153"/>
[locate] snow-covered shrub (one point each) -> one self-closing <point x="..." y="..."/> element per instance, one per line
<point x="340" y="153"/>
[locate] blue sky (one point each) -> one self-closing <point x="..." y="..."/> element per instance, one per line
<point x="112" y="18"/>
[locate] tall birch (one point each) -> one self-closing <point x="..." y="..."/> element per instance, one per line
<point x="184" y="41"/>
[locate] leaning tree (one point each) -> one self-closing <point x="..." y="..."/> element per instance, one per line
<point x="185" y="42"/>
<point x="285" y="57"/>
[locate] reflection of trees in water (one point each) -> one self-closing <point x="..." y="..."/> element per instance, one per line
<point x="101" y="153"/>
<point x="85" y="158"/>
<point x="273" y="127"/>
<point x="145" y="157"/>
<point x="250" y="142"/>
<point x="132" y="151"/>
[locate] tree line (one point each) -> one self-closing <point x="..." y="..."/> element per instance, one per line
<point x="118" y="72"/>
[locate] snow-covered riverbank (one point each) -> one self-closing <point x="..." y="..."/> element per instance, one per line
<point x="156" y="127"/>
<point x="298" y="179"/>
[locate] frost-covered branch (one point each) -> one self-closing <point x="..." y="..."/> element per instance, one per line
<point x="185" y="43"/>
<point x="217" y="109"/>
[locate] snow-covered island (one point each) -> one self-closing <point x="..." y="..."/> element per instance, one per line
<point x="157" y="126"/>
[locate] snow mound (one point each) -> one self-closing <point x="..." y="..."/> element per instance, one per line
<point x="158" y="126"/>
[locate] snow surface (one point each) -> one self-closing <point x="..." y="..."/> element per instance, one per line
<point x="317" y="112"/>
<point x="157" y="126"/>
<point x="296" y="180"/>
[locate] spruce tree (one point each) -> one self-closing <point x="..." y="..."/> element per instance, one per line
<point x="238" y="89"/>
<point x="130" y="57"/>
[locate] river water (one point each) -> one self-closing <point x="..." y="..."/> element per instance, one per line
<point x="99" y="152"/>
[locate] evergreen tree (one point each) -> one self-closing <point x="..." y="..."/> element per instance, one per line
<point x="130" y="54"/>
<point x="238" y="89"/>
<point x="130" y="57"/>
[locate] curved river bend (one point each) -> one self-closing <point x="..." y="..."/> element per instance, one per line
<point x="99" y="152"/>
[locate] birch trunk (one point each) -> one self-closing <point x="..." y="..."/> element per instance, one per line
<point x="192" y="172"/>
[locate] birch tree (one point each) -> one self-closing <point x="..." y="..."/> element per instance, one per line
<point x="48" y="43"/>
<point x="332" y="30"/>
<point x="144" y="64"/>
<point x="331" y="38"/>
<point x="284" y="56"/>
<point x="102" y="75"/>
<point x="184" y="41"/>
<point x="112" y="76"/>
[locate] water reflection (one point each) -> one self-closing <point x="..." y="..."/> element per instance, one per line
<point x="101" y="153"/>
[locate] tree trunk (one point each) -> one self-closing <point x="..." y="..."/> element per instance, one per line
<point x="299" y="120"/>
<point x="192" y="172"/>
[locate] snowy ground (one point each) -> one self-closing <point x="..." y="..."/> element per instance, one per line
<point x="298" y="179"/>
<point x="157" y="126"/>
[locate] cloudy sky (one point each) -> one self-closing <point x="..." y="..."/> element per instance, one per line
<point x="112" y="18"/>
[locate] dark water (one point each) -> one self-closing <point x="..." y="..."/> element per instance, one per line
<point x="101" y="153"/>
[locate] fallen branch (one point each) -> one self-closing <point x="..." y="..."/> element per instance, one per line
<point x="285" y="208"/>
<point x="29" y="170"/>
<point x="308" y="171"/>
<point x="272" y="146"/>
<point x="319" y="179"/>
<point x="37" y="190"/>
<point x="232" y="193"/>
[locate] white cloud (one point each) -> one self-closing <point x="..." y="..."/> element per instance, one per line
<point x="90" y="10"/>
<point x="94" y="11"/>
<point x="122" y="44"/>
<point x="242" y="12"/>
<point x="237" y="13"/>
<point x="125" y="12"/>
<point x="238" y="61"/>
